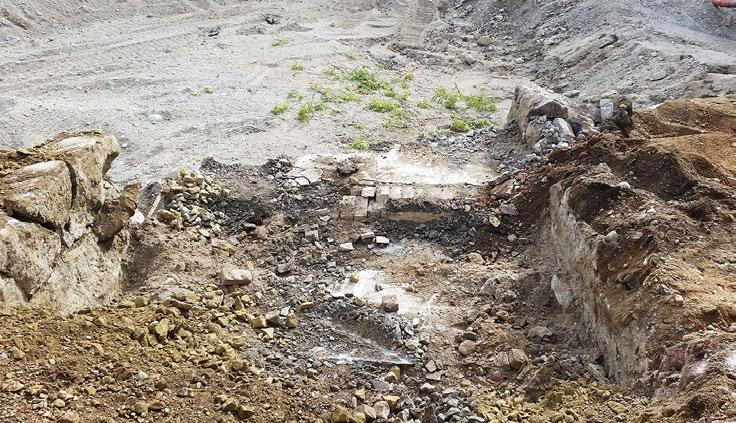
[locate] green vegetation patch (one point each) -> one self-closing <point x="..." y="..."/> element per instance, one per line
<point x="280" y="108"/>
<point x="307" y="111"/>
<point x="360" y="144"/>
<point x="366" y="81"/>
<point x="383" y="106"/>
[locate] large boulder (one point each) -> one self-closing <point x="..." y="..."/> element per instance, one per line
<point x="41" y="192"/>
<point x="63" y="234"/>
<point x="89" y="156"/>
<point x="532" y="101"/>
<point x="28" y="253"/>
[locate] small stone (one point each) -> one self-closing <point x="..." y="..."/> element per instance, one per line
<point x="392" y="401"/>
<point x="368" y="411"/>
<point x="59" y="403"/>
<point x="468" y="59"/>
<point x="340" y="414"/>
<point x="389" y="303"/>
<point x="69" y="417"/>
<point x="484" y="41"/>
<point x="368" y="192"/>
<point x="393" y="375"/>
<point x="382" y="241"/>
<point x="508" y="209"/>
<point x="382" y="409"/>
<point x="154" y="118"/>
<point x="292" y="321"/>
<point x="517" y="359"/>
<point x="258" y="322"/>
<point x="230" y="275"/>
<point x="475" y="258"/>
<point x="466" y="348"/>
<point x="345" y="247"/>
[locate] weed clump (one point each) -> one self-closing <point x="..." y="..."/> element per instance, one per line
<point x="280" y="42"/>
<point x="297" y="67"/>
<point x="460" y="125"/>
<point x="307" y="111"/>
<point x="360" y="144"/>
<point x="399" y="118"/>
<point x="295" y="95"/>
<point x="280" y="108"/>
<point x="383" y="106"/>
<point x="479" y="102"/>
<point x="366" y="81"/>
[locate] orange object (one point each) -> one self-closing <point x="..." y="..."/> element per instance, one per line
<point x="725" y="3"/>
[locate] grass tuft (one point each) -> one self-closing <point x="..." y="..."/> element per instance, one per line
<point x="383" y="106"/>
<point x="399" y="118"/>
<point x="307" y="111"/>
<point x="366" y="81"/>
<point x="460" y="125"/>
<point x="297" y="67"/>
<point x="280" y="108"/>
<point x="280" y="42"/>
<point x="360" y="144"/>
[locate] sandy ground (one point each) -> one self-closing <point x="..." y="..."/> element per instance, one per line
<point x="212" y="92"/>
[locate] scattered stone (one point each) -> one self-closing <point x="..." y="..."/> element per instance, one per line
<point x="466" y="348"/>
<point x="368" y="411"/>
<point x="345" y="247"/>
<point x="368" y="192"/>
<point x="475" y="258"/>
<point x="231" y="275"/>
<point x="382" y="241"/>
<point x="484" y="41"/>
<point x="340" y="414"/>
<point x="382" y="409"/>
<point x="517" y="359"/>
<point x="389" y="303"/>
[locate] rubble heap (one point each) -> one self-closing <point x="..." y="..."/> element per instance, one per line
<point x="63" y="224"/>
<point x="188" y="200"/>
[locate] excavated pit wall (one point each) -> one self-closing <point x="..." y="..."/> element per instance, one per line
<point x="578" y="288"/>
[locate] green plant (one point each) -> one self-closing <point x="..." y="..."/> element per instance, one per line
<point x="382" y="106"/>
<point x="297" y="67"/>
<point x="331" y="72"/>
<point x="459" y="125"/>
<point x="207" y="89"/>
<point x="446" y="97"/>
<point x="409" y="75"/>
<point x="295" y="95"/>
<point x="360" y="144"/>
<point x="351" y="55"/>
<point x="280" y="42"/>
<point x="423" y="104"/>
<point x="479" y="123"/>
<point x="366" y="81"/>
<point x="280" y="108"/>
<point x="349" y="96"/>
<point x="481" y="102"/>
<point x="307" y="111"/>
<point x="399" y="118"/>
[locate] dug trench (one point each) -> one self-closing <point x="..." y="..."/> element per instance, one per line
<point x="575" y="285"/>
